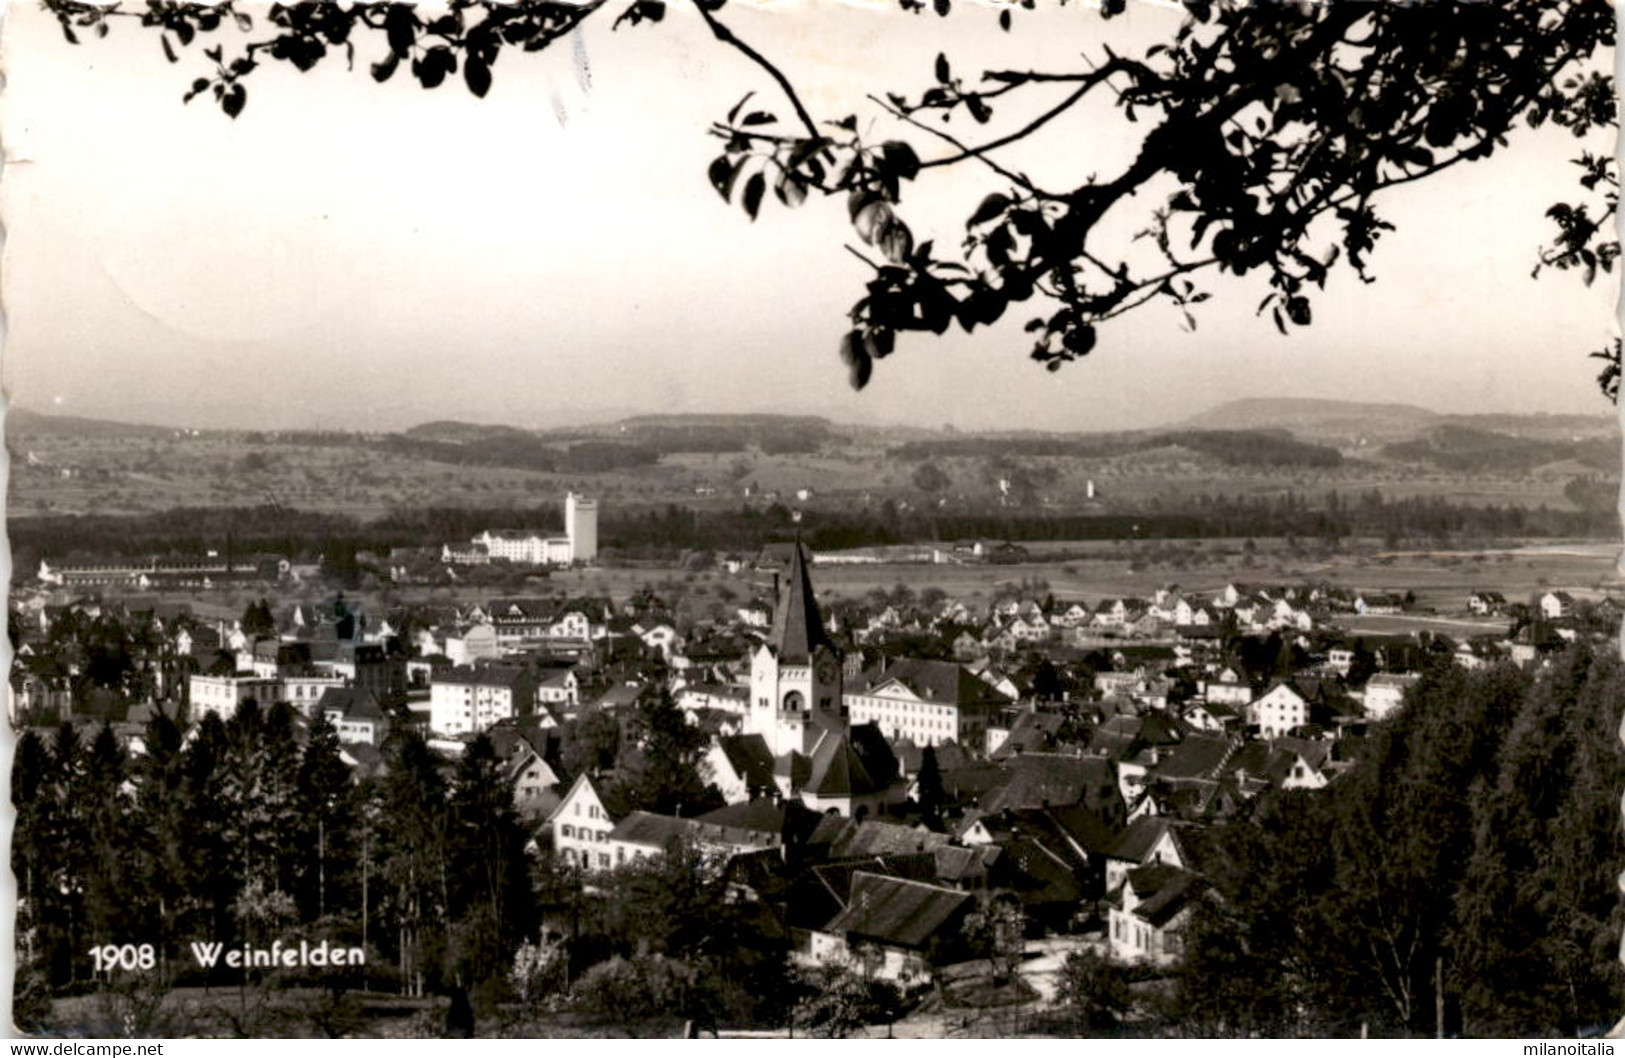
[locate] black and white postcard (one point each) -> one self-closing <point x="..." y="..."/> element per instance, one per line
<point x="781" y="518"/>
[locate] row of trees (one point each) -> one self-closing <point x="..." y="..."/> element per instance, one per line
<point x="1459" y="879"/>
<point x="242" y="831"/>
<point x="664" y="530"/>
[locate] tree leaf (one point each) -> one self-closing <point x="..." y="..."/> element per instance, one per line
<point x="857" y="358"/>
<point x="1004" y="20"/>
<point x="235" y="99"/>
<point x="791" y="191"/>
<point x="477" y="75"/>
<point x="943" y="73"/>
<point x="722" y="172"/>
<point x="169" y="51"/>
<point x="902" y="159"/>
<point x="895" y="240"/>
<point x="384" y="69"/>
<point x="737" y="107"/>
<point x="992" y="206"/>
<point x="755" y="187"/>
<point x="401" y="27"/>
<point x="758" y="117"/>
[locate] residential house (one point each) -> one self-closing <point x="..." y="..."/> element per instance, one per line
<point x="581" y="825"/>
<point x="355" y="713"/>
<point x="1556" y="605"/>
<point x="1146" y="923"/>
<point x="740" y="766"/>
<point x="893" y="926"/>
<point x="1278" y="711"/>
<point x="1385" y="692"/>
<point x="535" y="784"/>
<point x="222" y="694"/>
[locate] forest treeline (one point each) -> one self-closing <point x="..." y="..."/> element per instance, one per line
<point x="1250" y="448"/>
<point x="1464" y="868"/>
<point x="252" y="829"/>
<point x="663" y="531"/>
<point x="1467" y="450"/>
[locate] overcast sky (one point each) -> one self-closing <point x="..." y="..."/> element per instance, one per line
<point x="350" y="255"/>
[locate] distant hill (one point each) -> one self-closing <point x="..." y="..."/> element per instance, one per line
<point x="1463" y="448"/>
<point x="1237" y="448"/>
<point x="25" y="422"/>
<point x="447" y="431"/>
<point x="1355" y="424"/>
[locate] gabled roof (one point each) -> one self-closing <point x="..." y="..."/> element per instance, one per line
<point x="749" y="757"/>
<point x="582" y="780"/>
<point x="1315" y="752"/>
<point x="1037" y="780"/>
<point x="797" y="628"/>
<point x="510" y="676"/>
<point x="896" y="911"/>
<point x="942" y="682"/>
<point x="352" y="703"/>
<point x="910" y="756"/>
<point x="1032" y="731"/>
<point x="790" y="821"/>
<point x="839" y="771"/>
<point x="1197" y="757"/>
<point x="873" y="838"/>
<point x="1140" y="838"/>
<point x="1164" y="892"/>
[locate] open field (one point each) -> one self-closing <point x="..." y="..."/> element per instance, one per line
<point x="1410" y="624"/>
<point x="58" y="470"/>
<point x="1089" y="571"/>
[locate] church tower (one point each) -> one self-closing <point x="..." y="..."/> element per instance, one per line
<point x="795" y="677"/>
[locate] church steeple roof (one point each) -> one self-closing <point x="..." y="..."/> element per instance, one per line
<point x="798" y="628"/>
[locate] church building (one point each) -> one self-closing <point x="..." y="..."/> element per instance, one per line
<point x="795" y="676"/>
<point x="796" y="709"/>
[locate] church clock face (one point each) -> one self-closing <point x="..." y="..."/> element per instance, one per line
<point x="827" y="669"/>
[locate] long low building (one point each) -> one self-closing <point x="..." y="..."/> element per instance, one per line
<point x="928" y="702"/>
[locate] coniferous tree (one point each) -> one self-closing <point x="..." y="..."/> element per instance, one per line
<point x="411" y="853"/>
<point x="326" y="803"/>
<point x="659" y="766"/>
<point x="931" y="793"/>
<point x="100" y="806"/>
<point x="490" y="882"/>
<point x="216" y="860"/>
<point x="163" y="817"/>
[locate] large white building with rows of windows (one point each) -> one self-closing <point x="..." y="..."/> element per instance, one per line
<point x="578" y="544"/>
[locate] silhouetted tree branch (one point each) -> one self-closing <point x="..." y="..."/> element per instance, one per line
<point x="1270" y="130"/>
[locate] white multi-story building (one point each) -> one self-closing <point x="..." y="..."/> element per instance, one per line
<point x="469" y="700"/>
<point x="928" y="702"/>
<point x="526" y="547"/>
<point x="1279" y="711"/>
<point x="222" y="695"/>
